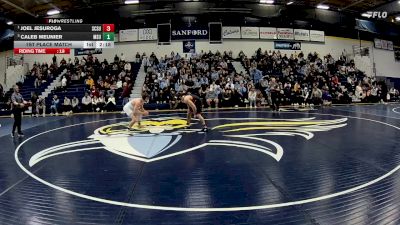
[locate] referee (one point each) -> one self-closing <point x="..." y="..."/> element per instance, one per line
<point x="17" y="106"/>
<point x="275" y="92"/>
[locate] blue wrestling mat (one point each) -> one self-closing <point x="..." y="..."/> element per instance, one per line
<point x="328" y="166"/>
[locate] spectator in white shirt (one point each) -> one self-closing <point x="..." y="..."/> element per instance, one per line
<point x="212" y="96"/>
<point x="101" y="103"/>
<point x="64" y="83"/>
<point x="359" y="92"/>
<point x="110" y="105"/>
<point x="37" y="82"/>
<point x="119" y="84"/>
<point x="41" y="106"/>
<point x="95" y="100"/>
<point x="75" y="105"/>
<point x="145" y="63"/>
<point x="252" y="98"/>
<point x="98" y="103"/>
<point x="86" y="103"/>
<point x="230" y="85"/>
<point x="127" y="67"/>
<point x="67" y="107"/>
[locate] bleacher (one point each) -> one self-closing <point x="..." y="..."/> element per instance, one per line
<point x="75" y="89"/>
<point x="135" y="70"/>
<point x="78" y="89"/>
<point x="26" y="89"/>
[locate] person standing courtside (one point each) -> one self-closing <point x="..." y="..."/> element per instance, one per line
<point x="275" y="91"/>
<point x="18" y="105"/>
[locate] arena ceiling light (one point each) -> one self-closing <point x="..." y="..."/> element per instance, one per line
<point x="53" y="12"/>
<point x="131" y="2"/>
<point x="289" y="3"/>
<point x="397" y="18"/>
<point x="322" y="6"/>
<point x="267" y="1"/>
<point x="10" y="22"/>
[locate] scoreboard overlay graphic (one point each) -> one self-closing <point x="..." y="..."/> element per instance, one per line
<point x="60" y="38"/>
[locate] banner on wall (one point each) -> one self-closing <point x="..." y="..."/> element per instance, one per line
<point x="396" y="53"/>
<point x="147" y="34"/>
<point x="230" y="32"/>
<point x="189" y="33"/>
<point x="377" y="43"/>
<point x="250" y="32"/>
<point x="87" y="51"/>
<point x="384" y="44"/>
<point x="128" y="35"/>
<point x="301" y="35"/>
<point x="287" y="45"/>
<point x="317" y="35"/>
<point x="285" y="33"/>
<point x="189" y="46"/>
<point x="268" y="33"/>
<point x="366" y="25"/>
<point x="390" y="45"/>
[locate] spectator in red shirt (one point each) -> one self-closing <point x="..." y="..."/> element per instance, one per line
<point x="126" y="92"/>
<point x="94" y="92"/>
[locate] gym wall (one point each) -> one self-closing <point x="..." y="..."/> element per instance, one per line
<point x="385" y="64"/>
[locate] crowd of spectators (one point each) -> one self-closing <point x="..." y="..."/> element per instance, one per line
<point x="43" y="72"/>
<point x="211" y="76"/>
<point x="105" y="83"/>
<point x="270" y="78"/>
<point x="312" y="79"/>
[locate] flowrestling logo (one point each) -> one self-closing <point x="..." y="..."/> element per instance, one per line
<point x="287" y="45"/>
<point x="375" y="14"/>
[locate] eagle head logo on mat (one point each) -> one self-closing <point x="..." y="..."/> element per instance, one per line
<point x="158" y="139"/>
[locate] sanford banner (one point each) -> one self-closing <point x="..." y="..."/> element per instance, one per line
<point x="287" y="45"/>
<point x="189" y="33"/>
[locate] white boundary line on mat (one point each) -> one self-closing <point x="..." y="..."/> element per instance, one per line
<point x="188" y="209"/>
